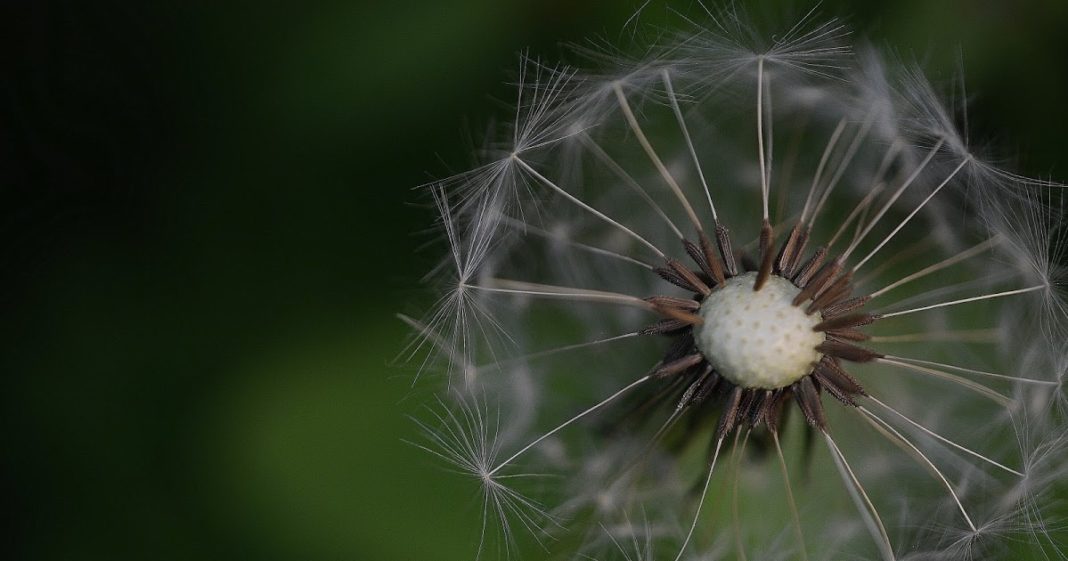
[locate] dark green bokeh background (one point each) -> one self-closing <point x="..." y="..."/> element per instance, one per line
<point x="207" y="230"/>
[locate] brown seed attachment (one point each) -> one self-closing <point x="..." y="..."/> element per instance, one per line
<point x="822" y="288"/>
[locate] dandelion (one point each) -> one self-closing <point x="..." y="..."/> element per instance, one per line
<point x="749" y="296"/>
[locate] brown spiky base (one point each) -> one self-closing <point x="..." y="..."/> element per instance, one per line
<point x="824" y="289"/>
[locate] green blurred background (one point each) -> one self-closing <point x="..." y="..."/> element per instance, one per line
<point x="208" y="225"/>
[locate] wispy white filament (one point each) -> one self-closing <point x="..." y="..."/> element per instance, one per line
<point x="629" y="181"/>
<point x="973" y="386"/>
<point x="700" y="501"/>
<point x="529" y="229"/>
<point x="893" y="199"/>
<point x="906" y="220"/>
<point x="760" y="138"/>
<point x="508" y="286"/>
<point x="892" y="434"/>
<point x="568" y="422"/>
<point x="966" y="300"/>
<point x="851" y="152"/>
<point x="943" y="439"/>
<point x="929" y="363"/>
<point x="689" y="142"/>
<point x="649" y="151"/>
<point x="790" y="497"/>
<point x="970" y="252"/>
<point x="587" y="207"/>
<point x="557" y="350"/>
<point x="862" y="501"/>
<point x="957" y="335"/>
<point x="820" y="168"/>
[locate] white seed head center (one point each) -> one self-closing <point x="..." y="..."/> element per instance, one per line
<point x="758" y="339"/>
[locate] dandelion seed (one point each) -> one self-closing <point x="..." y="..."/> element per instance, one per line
<point x="683" y="292"/>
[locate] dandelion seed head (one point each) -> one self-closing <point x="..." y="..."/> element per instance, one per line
<point x="748" y="295"/>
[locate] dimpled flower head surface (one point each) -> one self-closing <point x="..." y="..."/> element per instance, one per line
<point x="747" y="296"/>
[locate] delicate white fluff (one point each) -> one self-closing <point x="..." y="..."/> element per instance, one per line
<point x="555" y="239"/>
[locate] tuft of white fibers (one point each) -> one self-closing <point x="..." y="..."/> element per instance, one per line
<point x="748" y="296"/>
